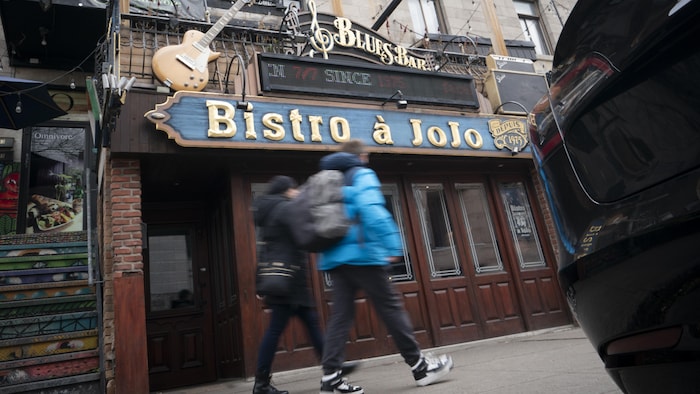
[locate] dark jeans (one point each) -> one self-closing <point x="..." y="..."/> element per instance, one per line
<point x="278" y="321"/>
<point x="374" y="280"/>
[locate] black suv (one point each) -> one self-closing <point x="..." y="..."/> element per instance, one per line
<point x="617" y="146"/>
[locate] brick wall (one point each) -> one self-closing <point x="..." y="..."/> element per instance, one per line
<point x="122" y="266"/>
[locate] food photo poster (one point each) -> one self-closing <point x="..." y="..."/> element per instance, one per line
<point x="55" y="197"/>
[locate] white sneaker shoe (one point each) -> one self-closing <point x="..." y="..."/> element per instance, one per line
<point x="429" y="369"/>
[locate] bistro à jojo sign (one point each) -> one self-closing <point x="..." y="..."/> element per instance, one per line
<point x="197" y="119"/>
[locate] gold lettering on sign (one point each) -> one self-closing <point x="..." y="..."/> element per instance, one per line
<point x="295" y="118"/>
<point x="275" y="130"/>
<point x="382" y="132"/>
<point x="250" y="133"/>
<point x="454" y="129"/>
<point x="340" y="129"/>
<point x="473" y="139"/>
<point x="436" y="136"/>
<point x="323" y="41"/>
<point x="417" y="133"/>
<point x="509" y="134"/>
<point x="220" y="114"/>
<point x="315" y="122"/>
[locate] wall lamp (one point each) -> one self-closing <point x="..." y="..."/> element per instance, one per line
<point x="495" y="111"/>
<point x="401" y="103"/>
<point x="242" y="105"/>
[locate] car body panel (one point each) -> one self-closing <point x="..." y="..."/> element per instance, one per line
<point x="617" y="146"/>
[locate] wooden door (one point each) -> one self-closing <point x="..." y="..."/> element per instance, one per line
<point x="493" y="279"/>
<point x="541" y="298"/>
<point x="178" y="315"/>
<point x="449" y="292"/>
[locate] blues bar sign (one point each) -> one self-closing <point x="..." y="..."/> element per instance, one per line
<point x="198" y="119"/>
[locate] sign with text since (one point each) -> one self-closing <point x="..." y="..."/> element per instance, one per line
<point x="280" y="73"/>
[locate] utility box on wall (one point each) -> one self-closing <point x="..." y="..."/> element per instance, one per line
<point x="514" y="92"/>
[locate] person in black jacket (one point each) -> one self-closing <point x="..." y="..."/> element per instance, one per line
<point x="271" y="212"/>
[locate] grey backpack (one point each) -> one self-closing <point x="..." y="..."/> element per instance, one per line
<point x="319" y="220"/>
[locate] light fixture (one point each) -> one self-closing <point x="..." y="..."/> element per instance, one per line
<point x="72" y="83"/>
<point x="44" y="32"/>
<point x="242" y="105"/>
<point x="495" y="111"/>
<point x="18" y="107"/>
<point x="401" y="103"/>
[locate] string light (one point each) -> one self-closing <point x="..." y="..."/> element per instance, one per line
<point x="18" y="108"/>
<point x="69" y="72"/>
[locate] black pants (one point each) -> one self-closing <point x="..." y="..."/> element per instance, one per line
<point x="374" y="280"/>
<point x="278" y="322"/>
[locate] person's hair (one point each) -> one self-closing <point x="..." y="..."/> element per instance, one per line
<point x="280" y="184"/>
<point x="354" y="146"/>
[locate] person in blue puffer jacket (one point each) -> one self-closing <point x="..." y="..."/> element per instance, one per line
<point x="360" y="261"/>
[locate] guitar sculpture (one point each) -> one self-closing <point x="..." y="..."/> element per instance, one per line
<point x="186" y="66"/>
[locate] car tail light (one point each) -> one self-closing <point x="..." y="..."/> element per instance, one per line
<point x="652" y="340"/>
<point x="548" y="118"/>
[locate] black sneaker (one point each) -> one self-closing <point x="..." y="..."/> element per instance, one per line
<point x="429" y="369"/>
<point x="336" y="384"/>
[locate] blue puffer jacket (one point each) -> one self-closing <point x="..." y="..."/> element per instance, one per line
<point x="376" y="237"/>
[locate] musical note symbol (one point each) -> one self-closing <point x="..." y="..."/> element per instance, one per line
<point x="322" y="39"/>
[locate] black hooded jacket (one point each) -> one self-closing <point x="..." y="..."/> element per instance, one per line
<point x="270" y="213"/>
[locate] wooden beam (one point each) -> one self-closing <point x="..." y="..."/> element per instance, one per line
<point x="130" y="354"/>
<point x="499" y="45"/>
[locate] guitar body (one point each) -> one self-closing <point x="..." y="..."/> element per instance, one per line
<point x="184" y="66"/>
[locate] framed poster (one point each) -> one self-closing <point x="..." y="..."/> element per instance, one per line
<point x="55" y="190"/>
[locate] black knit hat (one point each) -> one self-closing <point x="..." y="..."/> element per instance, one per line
<point x="280" y="184"/>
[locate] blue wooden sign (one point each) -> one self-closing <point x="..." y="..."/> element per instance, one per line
<point x="198" y="119"/>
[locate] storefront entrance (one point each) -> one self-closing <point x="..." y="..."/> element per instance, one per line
<point x="178" y="304"/>
<point x="477" y="264"/>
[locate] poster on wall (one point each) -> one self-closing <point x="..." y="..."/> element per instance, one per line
<point x="56" y="189"/>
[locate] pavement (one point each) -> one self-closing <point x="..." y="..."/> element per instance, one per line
<point x="557" y="360"/>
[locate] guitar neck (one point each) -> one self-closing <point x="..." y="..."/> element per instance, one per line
<point x="221" y="23"/>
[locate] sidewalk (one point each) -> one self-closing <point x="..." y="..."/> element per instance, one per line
<point x="559" y="360"/>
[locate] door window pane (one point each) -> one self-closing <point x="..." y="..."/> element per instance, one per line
<point x="522" y="225"/>
<point x="170" y="271"/>
<point x="437" y="230"/>
<point x="477" y="221"/>
<point x="402" y="270"/>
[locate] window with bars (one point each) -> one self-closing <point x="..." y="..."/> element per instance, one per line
<point x="531" y="23"/>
